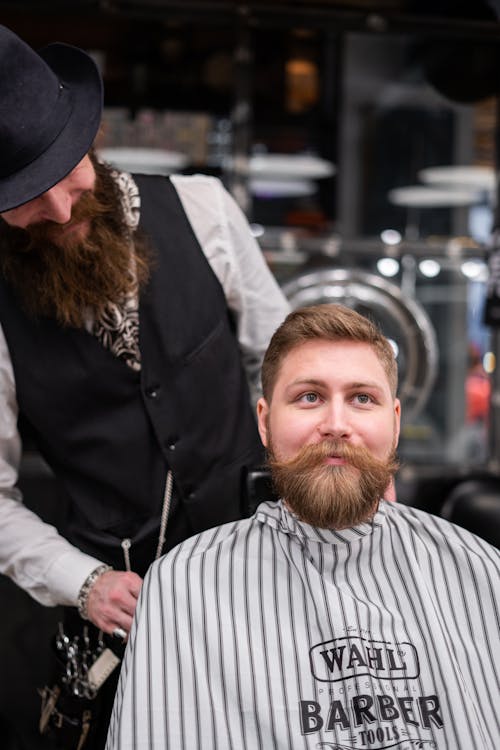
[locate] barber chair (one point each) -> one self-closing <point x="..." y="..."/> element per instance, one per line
<point x="475" y="505"/>
<point x="259" y="489"/>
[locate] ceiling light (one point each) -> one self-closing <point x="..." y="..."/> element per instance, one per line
<point x="257" y="230"/>
<point x="423" y="196"/>
<point x="388" y="266"/>
<point x="145" y="160"/>
<point x="282" y="166"/>
<point x="481" y="178"/>
<point x="476" y="270"/>
<point x="429" y="268"/>
<point x="267" y="188"/>
<point x="390" y="237"/>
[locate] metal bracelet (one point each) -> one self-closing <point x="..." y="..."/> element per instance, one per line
<point x="83" y="594"/>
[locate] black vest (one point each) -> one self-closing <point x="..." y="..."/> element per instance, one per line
<point x="110" y="434"/>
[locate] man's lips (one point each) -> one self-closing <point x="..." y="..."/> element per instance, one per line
<point x="335" y="461"/>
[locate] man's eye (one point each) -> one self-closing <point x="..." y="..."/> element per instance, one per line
<point x="309" y="398"/>
<point x="363" y="398"/>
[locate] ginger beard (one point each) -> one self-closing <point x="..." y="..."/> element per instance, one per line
<point x="67" y="273"/>
<point x="332" y="496"/>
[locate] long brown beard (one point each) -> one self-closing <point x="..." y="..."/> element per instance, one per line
<point x="332" y="497"/>
<point x="57" y="275"/>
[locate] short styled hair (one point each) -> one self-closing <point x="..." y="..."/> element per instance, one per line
<point x="328" y="322"/>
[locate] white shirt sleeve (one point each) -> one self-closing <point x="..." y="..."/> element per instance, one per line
<point x="252" y="293"/>
<point x="32" y="552"/>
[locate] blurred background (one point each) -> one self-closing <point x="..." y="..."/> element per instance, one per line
<point x="360" y="139"/>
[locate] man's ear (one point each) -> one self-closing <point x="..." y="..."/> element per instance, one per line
<point x="397" y="419"/>
<point x="262" y="414"/>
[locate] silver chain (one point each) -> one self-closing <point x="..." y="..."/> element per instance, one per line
<point x="167" y="499"/>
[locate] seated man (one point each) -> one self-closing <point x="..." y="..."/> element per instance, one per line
<point x="331" y="618"/>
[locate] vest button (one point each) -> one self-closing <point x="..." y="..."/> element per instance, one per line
<point x="152" y="391"/>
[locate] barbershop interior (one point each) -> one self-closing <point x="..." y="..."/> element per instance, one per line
<point x="361" y="140"/>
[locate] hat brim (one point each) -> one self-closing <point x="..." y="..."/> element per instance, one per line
<point x="79" y="73"/>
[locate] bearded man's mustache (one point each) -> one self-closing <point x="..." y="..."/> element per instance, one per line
<point x="315" y="455"/>
<point x="87" y="208"/>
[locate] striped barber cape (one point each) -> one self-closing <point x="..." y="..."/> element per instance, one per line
<point x="269" y="633"/>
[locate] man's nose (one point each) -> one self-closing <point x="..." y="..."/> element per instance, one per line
<point x="57" y="205"/>
<point x="335" y="421"/>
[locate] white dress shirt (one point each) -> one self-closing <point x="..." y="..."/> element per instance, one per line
<point x="32" y="552"/>
<point x="270" y="634"/>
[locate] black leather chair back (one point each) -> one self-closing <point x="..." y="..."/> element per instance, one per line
<point x="475" y="505"/>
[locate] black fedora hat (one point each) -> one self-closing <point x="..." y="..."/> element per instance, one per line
<point x="50" y="111"/>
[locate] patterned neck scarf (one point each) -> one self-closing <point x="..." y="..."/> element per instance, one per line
<point x="117" y="328"/>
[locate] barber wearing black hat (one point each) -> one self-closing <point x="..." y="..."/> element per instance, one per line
<point x="134" y="313"/>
